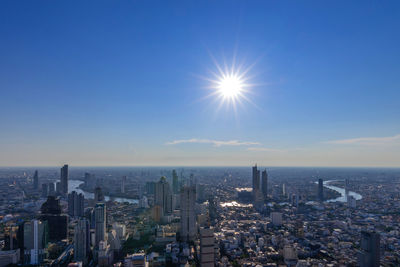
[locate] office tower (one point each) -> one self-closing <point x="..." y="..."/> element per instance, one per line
<point x="150" y="188"/>
<point x="284" y="190"/>
<point x="256" y="180"/>
<point x="87" y="179"/>
<point x="64" y="179"/>
<point x="320" y="190"/>
<point x="57" y="222"/>
<point x="98" y="195"/>
<point x="58" y="188"/>
<point x="265" y="184"/>
<point x="76" y="204"/>
<point x="52" y="191"/>
<point x="175" y="182"/>
<point x="35" y="241"/>
<point x="123" y="182"/>
<point x="100" y="218"/>
<point x="188" y="216"/>
<point x="346" y="185"/>
<point x="81" y="240"/>
<point x="207" y="247"/>
<point x="369" y="254"/>
<point x="163" y="196"/>
<point x="36" y="180"/>
<point x="45" y="190"/>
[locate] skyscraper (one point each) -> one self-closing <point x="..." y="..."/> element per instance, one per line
<point x="52" y="190"/>
<point x="207" y="247"/>
<point x="35" y="241"/>
<point x="36" y="180"/>
<point x="163" y="196"/>
<point x="100" y="218"/>
<point x="264" y="183"/>
<point x="81" y="241"/>
<point x="76" y="204"/>
<point x="98" y="194"/>
<point x="320" y="190"/>
<point x="64" y="179"/>
<point x="256" y="180"/>
<point x="175" y="182"/>
<point x="57" y="222"/>
<point x="369" y="254"/>
<point x="188" y="216"/>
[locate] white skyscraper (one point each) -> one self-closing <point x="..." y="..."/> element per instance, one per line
<point x="100" y="218"/>
<point x="188" y="216"/>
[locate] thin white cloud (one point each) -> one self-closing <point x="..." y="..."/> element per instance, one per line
<point x="368" y="141"/>
<point x="216" y="143"/>
<point x="265" y="149"/>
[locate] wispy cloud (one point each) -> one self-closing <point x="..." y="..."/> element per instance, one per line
<point x="368" y="141"/>
<point x="265" y="149"/>
<point x="216" y="143"/>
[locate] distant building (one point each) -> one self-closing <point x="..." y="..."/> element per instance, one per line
<point x="351" y="202"/>
<point x="320" y="190"/>
<point x="58" y="188"/>
<point x="276" y="218"/>
<point x="35" y="242"/>
<point x="104" y="254"/>
<point x="135" y="260"/>
<point x="36" y="180"/>
<point x="98" y="194"/>
<point x="76" y="204"/>
<point x="64" y="179"/>
<point x="163" y="196"/>
<point x="369" y="254"/>
<point x="57" y="223"/>
<point x="9" y="257"/>
<point x="52" y="190"/>
<point x="265" y="184"/>
<point x="123" y="183"/>
<point x="100" y="218"/>
<point x="81" y="240"/>
<point x="45" y="190"/>
<point x="256" y="180"/>
<point x="207" y="247"/>
<point x="188" y="217"/>
<point x="175" y="182"/>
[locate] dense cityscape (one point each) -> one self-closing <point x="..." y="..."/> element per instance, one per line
<point x="199" y="216"/>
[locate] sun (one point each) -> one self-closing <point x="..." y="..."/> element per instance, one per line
<point x="230" y="86"/>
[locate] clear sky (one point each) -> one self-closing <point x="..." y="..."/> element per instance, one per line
<point x="125" y="83"/>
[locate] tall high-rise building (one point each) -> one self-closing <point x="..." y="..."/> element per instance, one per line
<point x="81" y="240"/>
<point x="163" y="196"/>
<point x="57" y="222"/>
<point x="100" y="218"/>
<point x="207" y="247"/>
<point x="175" y="182"/>
<point x="35" y="241"/>
<point x="256" y="180"/>
<point x="369" y="254"/>
<point x="52" y="190"/>
<point x="188" y="215"/>
<point x="123" y="183"/>
<point x="76" y="204"/>
<point x="320" y="190"/>
<point x="36" y="180"/>
<point x="98" y="194"/>
<point x="264" y="183"/>
<point x="64" y="179"/>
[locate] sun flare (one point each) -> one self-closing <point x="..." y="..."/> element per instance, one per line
<point x="230" y="86"/>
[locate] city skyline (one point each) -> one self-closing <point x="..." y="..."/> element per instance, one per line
<point x="129" y="85"/>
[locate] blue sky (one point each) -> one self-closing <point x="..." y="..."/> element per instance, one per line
<point x="122" y="83"/>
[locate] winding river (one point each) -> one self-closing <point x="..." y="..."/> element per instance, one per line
<point x="343" y="197"/>
<point x="73" y="185"/>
